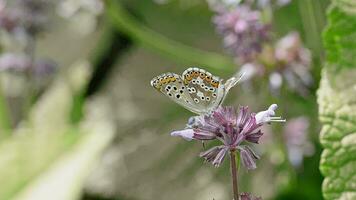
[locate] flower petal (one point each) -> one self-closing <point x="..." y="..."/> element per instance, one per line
<point x="187" y="134"/>
<point x="254" y="155"/>
<point x="219" y="115"/>
<point x="248" y="158"/>
<point x="210" y="154"/>
<point x="220" y="157"/>
<point x="267" y="115"/>
<point x="215" y="155"/>
<point x="242" y="116"/>
<point x="254" y="137"/>
<point x="203" y="135"/>
<point x="250" y="125"/>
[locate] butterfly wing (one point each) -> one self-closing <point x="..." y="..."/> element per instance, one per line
<point x="173" y="87"/>
<point x="206" y="90"/>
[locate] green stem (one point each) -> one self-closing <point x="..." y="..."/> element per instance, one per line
<point x="234" y="166"/>
<point x="5" y="121"/>
<point x="152" y="40"/>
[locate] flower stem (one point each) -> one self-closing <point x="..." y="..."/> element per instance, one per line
<point x="234" y="175"/>
<point x="126" y="23"/>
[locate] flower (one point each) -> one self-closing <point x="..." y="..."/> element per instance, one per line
<point x="28" y="15"/>
<point x="233" y="129"/>
<point x="294" y="63"/>
<point x="9" y="18"/>
<point x="217" y="5"/>
<point x="287" y="61"/>
<point x="14" y="62"/>
<point x="243" y="31"/>
<point x="248" y="196"/>
<point x="264" y="3"/>
<point x="296" y="139"/>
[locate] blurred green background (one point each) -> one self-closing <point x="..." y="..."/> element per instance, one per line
<point x="100" y="131"/>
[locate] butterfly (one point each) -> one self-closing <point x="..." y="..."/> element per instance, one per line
<point x="196" y="89"/>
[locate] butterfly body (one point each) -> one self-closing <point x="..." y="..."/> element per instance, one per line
<point x="197" y="90"/>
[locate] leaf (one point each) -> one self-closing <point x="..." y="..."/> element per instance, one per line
<point x="337" y="113"/>
<point x="337" y="103"/>
<point x="66" y="177"/>
<point x="340" y="35"/>
<point x="46" y="136"/>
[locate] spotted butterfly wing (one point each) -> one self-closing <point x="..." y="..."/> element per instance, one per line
<point x="197" y="90"/>
<point x="206" y="90"/>
<point x="172" y="85"/>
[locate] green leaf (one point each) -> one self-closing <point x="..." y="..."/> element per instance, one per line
<point x="340" y="35"/>
<point x="337" y="112"/>
<point x="337" y="103"/>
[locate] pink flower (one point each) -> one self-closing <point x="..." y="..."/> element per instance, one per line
<point x="242" y="30"/>
<point x="233" y="129"/>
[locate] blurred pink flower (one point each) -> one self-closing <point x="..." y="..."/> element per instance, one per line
<point x="14" y="62"/>
<point x="29" y="15"/>
<point x="248" y="196"/>
<point x="288" y="61"/>
<point x="297" y="141"/>
<point x="242" y="30"/>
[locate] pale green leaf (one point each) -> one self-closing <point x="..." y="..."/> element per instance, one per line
<point x="337" y="103"/>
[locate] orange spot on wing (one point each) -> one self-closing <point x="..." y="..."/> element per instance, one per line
<point x="207" y="79"/>
<point x="189" y="78"/>
<point x="215" y="84"/>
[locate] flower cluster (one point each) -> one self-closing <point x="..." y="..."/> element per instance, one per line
<point x="289" y="60"/>
<point x="16" y="62"/>
<point x="27" y="16"/>
<point x="249" y="39"/>
<point x="233" y="129"/>
<point x="21" y="21"/>
<point x="248" y="196"/>
<point x="243" y="31"/>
